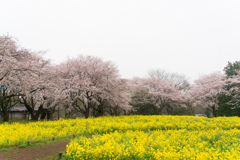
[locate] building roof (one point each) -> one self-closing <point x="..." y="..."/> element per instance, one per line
<point x="20" y="109"/>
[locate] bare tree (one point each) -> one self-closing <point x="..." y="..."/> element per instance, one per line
<point x="179" y="80"/>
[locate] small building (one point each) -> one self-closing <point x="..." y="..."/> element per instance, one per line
<point x="18" y="112"/>
<point x="21" y="113"/>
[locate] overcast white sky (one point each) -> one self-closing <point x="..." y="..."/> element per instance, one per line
<point x="188" y="37"/>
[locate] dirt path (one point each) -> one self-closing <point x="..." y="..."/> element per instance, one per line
<point x="34" y="152"/>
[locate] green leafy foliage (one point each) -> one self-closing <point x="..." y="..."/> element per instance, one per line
<point x="230" y="69"/>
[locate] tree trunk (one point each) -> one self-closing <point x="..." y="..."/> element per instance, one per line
<point x="6" y="117"/>
<point x="36" y="116"/>
<point x="116" y="111"/>
<point x="43" y="114"/>
<point x="169" y="109"/>
<point x="4" y="113"/>
<point x="5" y="106"/>
<point x="86" y="114"/>
<point x="214" y="111"/>
<point x="192" y="109"/>
<point x="50" y="114"/>
<point x="209" y="112"/>
<point x="100" y="111"/>
<point x="159" y="110"/>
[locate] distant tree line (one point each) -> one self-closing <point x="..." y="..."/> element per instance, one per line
<point x="92" y="87"/>
<point x="168" y="93"/>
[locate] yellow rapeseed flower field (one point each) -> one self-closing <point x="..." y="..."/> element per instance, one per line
<point x="168" y="144"/>
<point x="135" y="137"/>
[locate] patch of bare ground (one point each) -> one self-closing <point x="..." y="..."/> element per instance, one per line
<point x="35" y="152"/>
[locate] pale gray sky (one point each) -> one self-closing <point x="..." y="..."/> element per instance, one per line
<point x="191" y="37"/>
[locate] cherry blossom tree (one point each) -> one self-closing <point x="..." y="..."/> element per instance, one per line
<point x="53" y="93"/>
<point x="25" y="76"/>
<point x="91" y="84"/>
<point x="7" y="46"/>
<point x="141" y="102"/>
<point x="205" y="91"/>
<point x="13" y="60"/>
<point x="43" y="91"/>
<point x="115" y="102"/>
<point x="34" y="83"/>
<point x="233" y="89"/>
<point x="164" y="93"/>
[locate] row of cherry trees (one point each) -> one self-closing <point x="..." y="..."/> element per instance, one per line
<point x="163" y="93"/>
<point x="93" y="87"/>
<point x="86" y="84"/>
